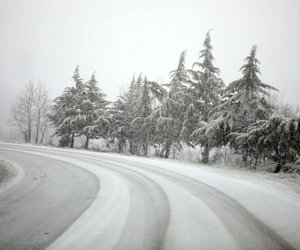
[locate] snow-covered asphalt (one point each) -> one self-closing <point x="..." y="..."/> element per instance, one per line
<point x="76" y="199"/>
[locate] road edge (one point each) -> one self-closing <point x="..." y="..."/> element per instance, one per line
<point x="10" y="174"/>
<point x="7" y="172"/>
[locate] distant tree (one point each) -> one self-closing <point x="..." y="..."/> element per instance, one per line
<point x="282" y="108"/>
<point x="22" y="111"/>
<point x="42" y="105"/>
<point x="30" y="110"/>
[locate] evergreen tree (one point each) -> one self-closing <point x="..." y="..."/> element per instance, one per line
<point x="245" y="104"/>
<point x="277" y="138"/>
<point x="189" y="124"/>
<point x="117" y="127"/>
<point x="171" y="111"/>
<point x="124" y="112"/>
<point x="206" y="91"/>
<point x="92" y="119"/>
<point x="142" y="124"/>
<point x="65" y="110"/>
<point x="62" y="113"/>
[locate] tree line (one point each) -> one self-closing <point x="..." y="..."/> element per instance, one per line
<point x="195" y="108"/>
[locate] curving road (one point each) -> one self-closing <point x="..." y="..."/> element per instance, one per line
<point x="75" y="199"/>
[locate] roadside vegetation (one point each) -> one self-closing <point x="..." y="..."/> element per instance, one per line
<point x="195" y="109"/>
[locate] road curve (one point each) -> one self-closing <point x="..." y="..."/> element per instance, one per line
<point x="141" y="204"/>
<point x="33" y="211"/>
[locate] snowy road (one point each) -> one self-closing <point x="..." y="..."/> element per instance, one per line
<point x="71" y="199"/>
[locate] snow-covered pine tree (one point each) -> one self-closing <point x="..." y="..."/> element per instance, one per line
<point x="246" y="103"/>
<point x="64" y="111"/>
<point x="117" y="129"/>
<point x="93" y="117"/>
<point x="124" y="111"/>
<point x="277" y="138"/>
<point x="189" y="124"/>
<point x="141" y="124"/>
<point x="171" y="111"/>
<point x="206" y="88"/>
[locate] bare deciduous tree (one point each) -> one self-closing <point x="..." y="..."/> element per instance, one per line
<point x="42" y="106"/>
<point x="283" y="108"/>
<point x="30" y="110"/>
<point x="22" y="111"/>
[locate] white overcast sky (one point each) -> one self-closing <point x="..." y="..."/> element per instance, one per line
<point x="44" y="40"/>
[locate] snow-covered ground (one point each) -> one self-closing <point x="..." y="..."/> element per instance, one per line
<point x="148" y="203"/>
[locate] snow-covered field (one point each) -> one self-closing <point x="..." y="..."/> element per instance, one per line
<point x="146" y="203"/>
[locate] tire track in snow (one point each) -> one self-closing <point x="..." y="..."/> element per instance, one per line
<point x="248" y="231"/>
<point x="149" y="212"/>
<point x="148" y="216"/>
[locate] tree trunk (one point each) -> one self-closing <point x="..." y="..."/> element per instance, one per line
<point x="72" y="141"/>
<point x="145" y="149"/>
<point x="280" y="156"/>
<point x="256" y="160"/>
<point x="205" y="153"/>
<point x="167" y="150"/>
<point x="86" y="145"/>
<point x="245" y="155"/>
<point x="43" y="132"/>
<point x="29" y="131"/>
<point x="25" y="137"/>
<point x="37" y="134"/>
<point x="278" y="167"/>
<point x="131" y="147"/>
<point x="120" y="145"/>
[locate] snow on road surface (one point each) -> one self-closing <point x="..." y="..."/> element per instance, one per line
<point x="146" y="203"/>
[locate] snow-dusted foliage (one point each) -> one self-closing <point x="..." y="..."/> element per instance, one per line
<point x="64" y="111"/>
<point x="92" y="118"/>
<point x="141" y="124"/>
<point x="277" y="138"/>
<point x="80" y="110"/>
<point x="124" y="111"/>
<point x="244" y="104"/>
<point x="170" y="114"/>
<point x="195" y="108"/>
<point x="206" y="88"/>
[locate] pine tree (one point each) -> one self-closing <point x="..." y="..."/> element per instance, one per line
<point x="245" y="104"/>
<point x="206" y="91"/>
<point x="62" y="112"/>
<point x="142" y="124"/>
<point x="65" y="110"/>
<point x="117" y="127"/>
<point x="93" y="117"/>
<point x="171" y="111"/>
<point x="124" y="112"/>
<point x="189" y="124"/>
<point x="277" y="138"/>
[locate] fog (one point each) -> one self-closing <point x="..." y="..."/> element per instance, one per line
<point x="45" y="40"/>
